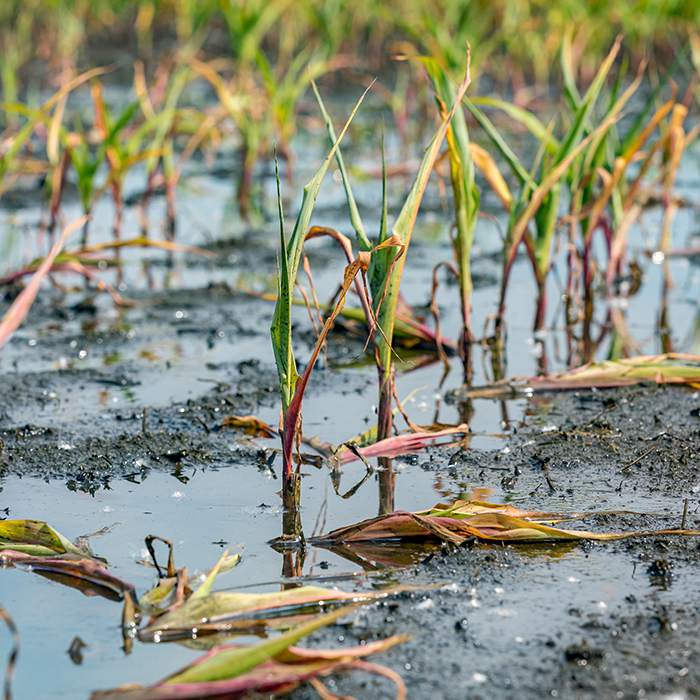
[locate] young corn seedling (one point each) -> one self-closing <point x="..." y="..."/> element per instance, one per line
<point x="466" y="198"/>
<point x="50" y="113"/>
<point x="386" y="268"/>
<point x="160" y="127"/>
<point x="541" y="189"/>
<point x="262" y="101"/>
<point x="15" y="48"/>
<point x="292" y="384"/>
<point x="602" y="196"/>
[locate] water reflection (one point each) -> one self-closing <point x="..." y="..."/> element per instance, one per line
<point x="387" y="485"/>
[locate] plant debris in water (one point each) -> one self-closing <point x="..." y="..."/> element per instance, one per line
<point x="594" y="163"/>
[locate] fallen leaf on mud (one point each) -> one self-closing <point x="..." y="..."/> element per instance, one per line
<point x="489" y="522"/>
<point x="671" y="368"/>
<point x="250" y="426"/>
<point x="271" y="666"/>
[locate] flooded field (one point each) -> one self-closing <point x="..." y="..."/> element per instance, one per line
<point x="112" y="422"/>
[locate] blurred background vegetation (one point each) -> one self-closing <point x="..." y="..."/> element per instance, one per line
<point x="511" y="39"/>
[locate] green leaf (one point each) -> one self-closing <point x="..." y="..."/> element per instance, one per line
<point x="527" y="119"/>
<point x="290" y="256"/>
<point x="228" y="663"/>
<point x="583" y="113"/>
<point x="491" y="131"/>
<point x="34" y="537"/>
<point x="353" y="211"/>
<point x="225" y="563"/>
<point x="403" y="228"/>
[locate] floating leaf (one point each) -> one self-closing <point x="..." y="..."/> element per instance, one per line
<point x="89" y="576"/>
<point x="242" y="612"/>
<point x="38" y="546"/>
<point x="155" y="601"/>
<point x="35" y="538"/>
<point x="273" y="665"/>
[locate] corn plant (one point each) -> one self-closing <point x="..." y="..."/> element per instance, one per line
<point x="262" y="102"/>
<point x="291" y="384"/>
<point x="15" y="40"/>
<point x="466" y="197"/>
<point x="378" y="263"/>
<point x="50" y="113"/>
<point x="542" y="187"/>
<point x="386" y="268"/>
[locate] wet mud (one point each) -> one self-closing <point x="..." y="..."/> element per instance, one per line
<point x="589" y="620"/>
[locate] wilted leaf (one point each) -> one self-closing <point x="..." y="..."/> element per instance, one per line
<point x="250" y="425"/>
<point x="21" y="305"/>
<point x="672" y="368"/>
<point x="35" y="538"/>
<point x="89" y="576"/>
<point x="273" y="665"/>
<point x="402" y="444"/>
<point x="242" y="612"/>
<point x="155" y="601"/>
<point x="487" y="522"/>
<point x="38" y="546"/>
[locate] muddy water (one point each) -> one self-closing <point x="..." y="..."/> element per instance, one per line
<point x="506" y="622"/>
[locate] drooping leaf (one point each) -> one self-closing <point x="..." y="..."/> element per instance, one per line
<point x="671" y="368"/>
<point x="275" y="665"/>
<point x="242" y="612"/>
<point x="21" y="305"/>
<point x="402" y="444"/>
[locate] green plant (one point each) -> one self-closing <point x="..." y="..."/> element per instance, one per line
<point x="291" y="384"/>
<point x="466" y="196"/>
<point x="541" y="188"/>
<point x="386" y="268"/>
